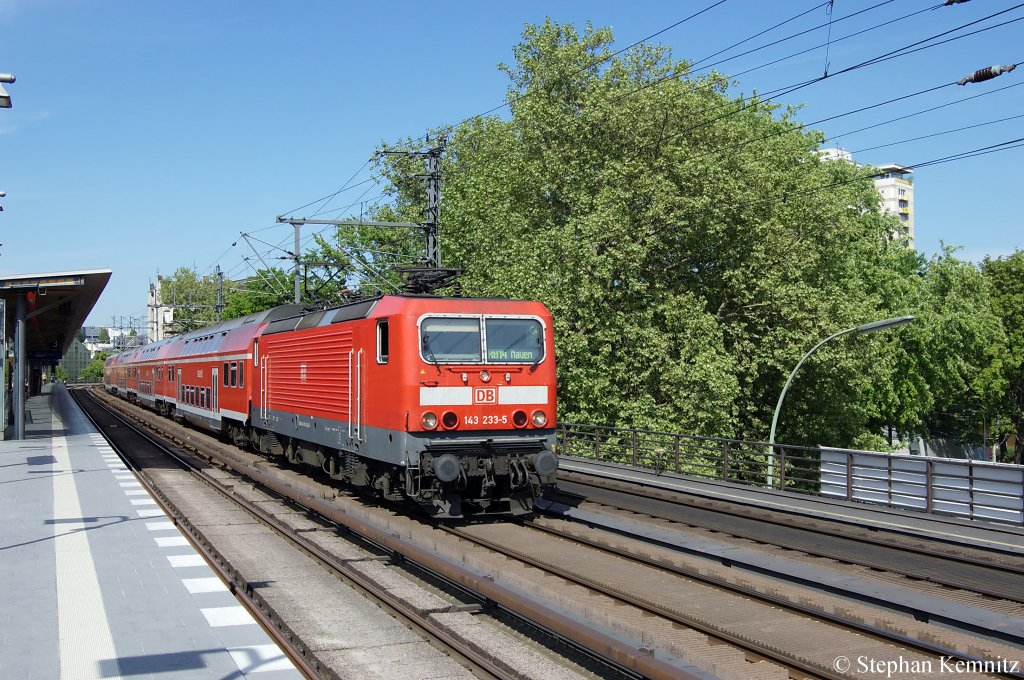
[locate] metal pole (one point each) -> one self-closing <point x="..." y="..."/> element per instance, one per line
<point x="3" y="367"/>
<point x="298" y="293"/>
<point x="18" y="379"/>
<point x="872" y="327"/>
<point x="220" y="292"/>
<point x="433" y="250"/>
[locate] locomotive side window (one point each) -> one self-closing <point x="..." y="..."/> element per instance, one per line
<point x="450" y="340"/>
<point x="512" y="340"/>
<point x="382" y="341"/>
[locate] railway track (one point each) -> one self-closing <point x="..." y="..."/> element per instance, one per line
<point x="592" y="650"/>
<point x="289" y="634"/>
<point x="678" y="626"/>
<point x="917" y="560"/>
<point x="764" y="620"/>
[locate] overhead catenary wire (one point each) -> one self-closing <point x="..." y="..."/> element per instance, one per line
<point x="323" y="207"/>
<point x="981" y="151"/>
<point x="330" y="196"/>
<point x="326" y="199"/>
<point x="742" y="105"/>
<point x="864" y="64"/>
<point x="592" y="64"/>
<point x="920" y="112"/>
<point x="939" y="134"/>
<point x="803" y="126"/>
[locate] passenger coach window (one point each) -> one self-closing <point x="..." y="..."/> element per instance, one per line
<point x="241" y="374"/>
<point x="382" y="342"/>
<point x="234" y="374"/>
<point x="450" y="340"/>
<point x="225" y="374"/>
<point x="512" y="340"/>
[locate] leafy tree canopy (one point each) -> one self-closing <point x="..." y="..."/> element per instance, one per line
<point x="682" y="238"/>
<point x="192" y="297"/>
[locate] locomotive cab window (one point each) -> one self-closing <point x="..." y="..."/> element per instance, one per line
<point x="514" y="340"/>
<point x="382" y="341"/>
<point x="450" y="340"/>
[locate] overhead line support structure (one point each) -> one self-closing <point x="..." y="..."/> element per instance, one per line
<point x="432" y="248"/>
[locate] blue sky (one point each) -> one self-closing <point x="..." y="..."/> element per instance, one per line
<point x="145" y="136"/>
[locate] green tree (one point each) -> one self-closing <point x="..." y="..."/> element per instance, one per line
<point x="93" y="371"/>
<point x="268" y="288"/>
<point x="1005" y="276"/>
<point x="682" y="239"/>
<point x="104" y="336"/>
<point x="192" y="297"/>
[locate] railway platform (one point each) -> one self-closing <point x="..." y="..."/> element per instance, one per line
<point x="98" y="582"/>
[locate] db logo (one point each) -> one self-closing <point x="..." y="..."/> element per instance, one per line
<point x="485" y="395"/>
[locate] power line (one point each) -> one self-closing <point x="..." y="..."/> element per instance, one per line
<point x="772" y="28"/>
<point x="921" y="112"/>
<point x="939" y="134"/>
<point x="330" y="196"/>
<point x="596" y="62"/>
<point x="981" y="151"/>
<point x="789" y="89"/>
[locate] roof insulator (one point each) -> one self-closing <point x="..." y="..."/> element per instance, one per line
<point x="953" y="2"/>
<point x="986" y="74"/>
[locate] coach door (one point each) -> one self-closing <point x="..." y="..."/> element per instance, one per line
<point x="214" y="392"/>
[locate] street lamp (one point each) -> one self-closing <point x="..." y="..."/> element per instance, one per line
<point x="873" y="327"/>
<point x="5" y="99"/>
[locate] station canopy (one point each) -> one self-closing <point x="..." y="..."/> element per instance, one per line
<point x="56" y="306"/>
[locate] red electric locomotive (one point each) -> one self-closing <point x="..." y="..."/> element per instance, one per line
<point x="445" y="401"/>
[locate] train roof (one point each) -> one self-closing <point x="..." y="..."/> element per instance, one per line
<point x="291" y="317"/>
<point x="359" y="309"/>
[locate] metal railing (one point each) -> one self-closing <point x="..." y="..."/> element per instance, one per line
<point x="734" y="460"/>
<point x="962" y="488"/>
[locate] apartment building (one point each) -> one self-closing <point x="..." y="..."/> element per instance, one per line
<point x="896" y="188"/>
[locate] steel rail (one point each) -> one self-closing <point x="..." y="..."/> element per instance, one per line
<point x="593" y="640"/>
<point x="765" y="651"/>
<point x="407" y="613"/>
<point x="937" y="519"/>
<point x="765" y="517"/>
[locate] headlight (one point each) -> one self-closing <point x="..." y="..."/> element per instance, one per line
<point x="519" y="419"/>
<point x="539" y="419"/>
<point x="429" y="420"/>
<point x="449" y="420"/>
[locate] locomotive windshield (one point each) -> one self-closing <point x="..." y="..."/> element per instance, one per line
<point x="451" y="340"/>
<point x="511" y="340"/>
<point x="458" y="340"/>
